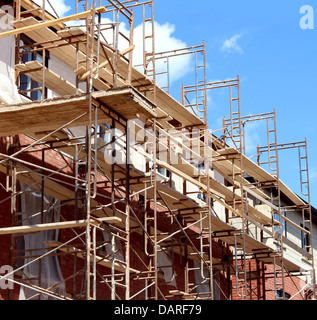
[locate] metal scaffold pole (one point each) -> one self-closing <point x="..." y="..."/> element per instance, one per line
<point x="208" y="164"/>
<point x="143" y="201"/>
<point x="90" y="24"/>
<point x="307" y="229"/>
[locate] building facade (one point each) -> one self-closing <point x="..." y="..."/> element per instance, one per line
<point x="112" y="189"/>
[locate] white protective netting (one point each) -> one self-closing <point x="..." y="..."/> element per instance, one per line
<point x="49" y="268"/>
<point x="201" y="279"/>
<point x="165" y="262"/>
<point x="9" y="91"/>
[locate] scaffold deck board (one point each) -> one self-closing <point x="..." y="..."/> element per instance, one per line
<point x="248" y="165"/>
<point x="63" y="50"/>
<point x="67" y="53"/>
<point x="36" y="116"/>
<point x="287" y="264"/>
<point x="53" y="81"/>
<point x="30" y="5"/>
<point x="50" y="114"/>
<point x="260" y="174"/>
<point x="291" y="195"/>
<point x="128" y="102"/>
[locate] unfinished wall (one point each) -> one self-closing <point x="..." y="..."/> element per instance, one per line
<point x="7" y="44"/>
<point x="295" y="235"/>
<point x="7" y="57"/>
<point x="65" y="71"/>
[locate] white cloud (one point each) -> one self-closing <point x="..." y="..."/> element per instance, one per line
<point x="252" y="137"/>
<point x="313" y="173"/>
<point x="252" y="140"/>
<point x="255" y="135"/>
<point x="59" y="6"/>
<point x="231" y="45"/>
<point x="164" y="41"/>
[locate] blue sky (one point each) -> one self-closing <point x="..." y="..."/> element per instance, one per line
<point x="276" y="62"/>
<point x="274" y="58"/>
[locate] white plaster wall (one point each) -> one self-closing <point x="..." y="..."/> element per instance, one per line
<point x="219" y="208"/>
<point x="177" y="183"/>
<point x="8" y="90"/>
<point x="7" y="56"/>
<point x="138" y="160"/>
<point x="7" y="45"/>
<point x="294" y="234"/>
<point x="65" y="71"/>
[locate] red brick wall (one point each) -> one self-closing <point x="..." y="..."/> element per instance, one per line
<point x="220" y="250"/>
<point x="263" y="286"/>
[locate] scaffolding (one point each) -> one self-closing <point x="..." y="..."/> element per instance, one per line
<point x="121" y="142"/>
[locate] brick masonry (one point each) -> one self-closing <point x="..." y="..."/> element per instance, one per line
<point x="71" y="265"/>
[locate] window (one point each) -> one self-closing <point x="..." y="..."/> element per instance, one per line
<point x="277" y="217"/>
<point x="279" y="294"/>
<point x="164" y="172"/>
<point x="141" y="201"/>
<point x="28" y="87"/>
<point x="104" y="132"/>
<point x="202" y="196"/>
<point x="305" y="240"/>
<point x="201" y="167"/>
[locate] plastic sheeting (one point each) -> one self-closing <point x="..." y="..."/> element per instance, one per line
<point x="203" y="284"/>
<point x="9" y="91"/>
<point x="112" y="246"/>
<point x="165" y="261"/>
<point x="7" y="52"/>
<point x="49" y="269"/>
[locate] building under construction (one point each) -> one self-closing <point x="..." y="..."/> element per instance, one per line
<point x="110" y="188"/>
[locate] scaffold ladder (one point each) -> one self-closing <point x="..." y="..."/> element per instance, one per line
<point x="149" y="43"/>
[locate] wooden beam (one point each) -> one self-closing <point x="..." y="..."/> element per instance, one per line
<point x="105" y="63"/>
<point x="51" y="188"/>
<point x="294" y="224"/>
<point x="54" y="82"/>
<point x="56" y="225"/>
<point x="188" y="178"/>
<point x="168" y="107"/>
<point x="30" y="5"/>
<point x="50" y="23"/>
